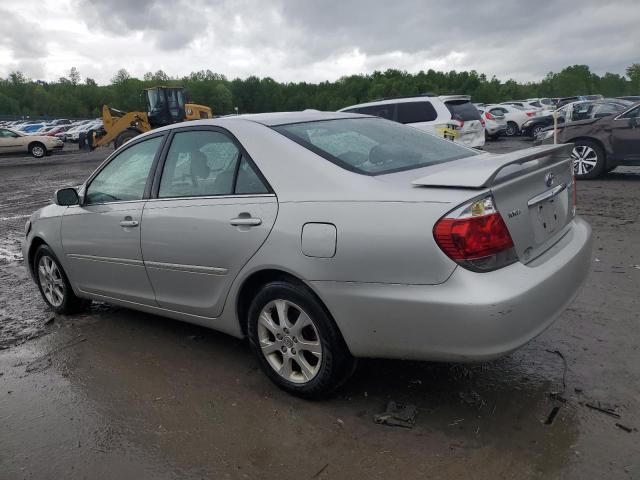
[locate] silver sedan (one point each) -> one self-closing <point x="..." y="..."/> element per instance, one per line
<point x="322" y="237"/>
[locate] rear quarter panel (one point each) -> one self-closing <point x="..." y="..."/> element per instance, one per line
<point x="380" y="242"/>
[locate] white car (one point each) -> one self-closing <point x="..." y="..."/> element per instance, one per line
<point x="494" y="124"/>
<point x="74" y="133"/>
<point x="514" y="115"/>
<point x="450" y="116"/>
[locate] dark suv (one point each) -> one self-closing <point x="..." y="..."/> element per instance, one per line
<point x="601" y="142"/>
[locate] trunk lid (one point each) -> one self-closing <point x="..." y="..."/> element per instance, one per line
<point x="533" y="191"/>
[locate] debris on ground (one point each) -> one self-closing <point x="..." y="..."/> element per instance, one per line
<point x="624" y="427"/>
<point x="319" y="472"/>
<point x="564" y="373"/>
<point x="397" y="415"/>
<point x="606" y="411"/>
<point x="471" y="398"/>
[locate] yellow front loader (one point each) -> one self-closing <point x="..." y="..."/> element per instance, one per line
<point x="165" y="106"/>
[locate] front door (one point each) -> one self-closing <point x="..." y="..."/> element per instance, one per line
<point x="101" y="237"/>
<point x="213" y="211"/>
<point x="10" y="142"/>
<point x="626" y="136"/>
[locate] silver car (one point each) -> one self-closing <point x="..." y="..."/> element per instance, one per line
<point x="322" y="237"/>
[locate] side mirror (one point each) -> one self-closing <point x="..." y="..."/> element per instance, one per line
<point x="66" y="197"/>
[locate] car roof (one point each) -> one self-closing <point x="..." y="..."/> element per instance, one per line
<point x="282" y="118"/>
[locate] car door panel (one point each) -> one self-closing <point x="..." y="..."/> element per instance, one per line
<point x="625" y="133"/>
<point x="101" y="237"/>
<point x="193" y="251"/>
<point x="104" y="257"/>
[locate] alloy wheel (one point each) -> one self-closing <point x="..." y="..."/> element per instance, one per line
<point x="37" y="151"/>
<point x="511" y="130"/>
<point x="51" y="281"/>
<point x="584" y="158"/>
<point x="289" y="341"/>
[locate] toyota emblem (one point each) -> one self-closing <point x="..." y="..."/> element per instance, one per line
<point x="549" y="179"/>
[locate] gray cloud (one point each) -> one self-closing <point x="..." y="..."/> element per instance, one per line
<point x="321" y="40"/>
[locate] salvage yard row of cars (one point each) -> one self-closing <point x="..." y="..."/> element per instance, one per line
<point x="604" y="130"/>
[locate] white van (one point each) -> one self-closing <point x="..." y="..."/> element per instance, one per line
<point x="453" y="117"/>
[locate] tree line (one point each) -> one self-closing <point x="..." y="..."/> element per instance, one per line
<point x="74" y="97"/>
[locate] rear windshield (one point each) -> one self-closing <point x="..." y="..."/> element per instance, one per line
<point x="372" y="146"/>
<point x="463" y="110"/>
<point x="415" y="112"/>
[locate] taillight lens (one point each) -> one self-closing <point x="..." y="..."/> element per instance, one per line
<point x="531" y="114"/>
<point x="476" y="237"/>
<point x="488" y="116"/>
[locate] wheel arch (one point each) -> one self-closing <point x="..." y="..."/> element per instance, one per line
<point x="36" y="142"/>
<point x="256" y="280"/>
<point x="36" y="243"/>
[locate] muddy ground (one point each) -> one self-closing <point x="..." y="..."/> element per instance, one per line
<point x="118" y="394"/>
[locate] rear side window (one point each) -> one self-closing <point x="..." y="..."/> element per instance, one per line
<point x="372" y="146"/>
<point x="383" y="111"/>
<point x="415" y="112"/>
<point x="463" y="110"/>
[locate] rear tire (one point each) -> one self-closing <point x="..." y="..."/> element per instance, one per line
<point x="309" y="360"/>
<point x="54" y="285"/>
<point x="37" y="150"/>
<point x="124" y="137"/>
<point x="589" y="160"/>
<point x="512" y="129"/>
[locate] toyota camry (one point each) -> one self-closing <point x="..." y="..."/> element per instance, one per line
<point x="322" y="238"/>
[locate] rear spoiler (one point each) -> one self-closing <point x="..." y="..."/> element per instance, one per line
<point x="480" y="171"/>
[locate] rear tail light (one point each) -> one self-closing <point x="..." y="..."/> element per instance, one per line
<point x="476" y="237"/>
<point x="489" y="116"/>
<point x="482" y="121"/>
<point x="531" y="114"/>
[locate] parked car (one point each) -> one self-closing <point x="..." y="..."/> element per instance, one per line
<point x="631" y="98"/>
<point x="451" y="116"/>
<point x="494" y="125"/>
<point x="12" y="141"/>
<point x="514" y="115"/>
<point x="73" y="134"/>
<point x="601" y="143"/>
<point x="528" y="106"/>
<point x="336" y="236"/>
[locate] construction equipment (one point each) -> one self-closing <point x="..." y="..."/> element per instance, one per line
<point x="164" y="105"/>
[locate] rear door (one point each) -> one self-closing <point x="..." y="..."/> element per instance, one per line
<point x="625" y="135"/>
<point x="211" y="212"/>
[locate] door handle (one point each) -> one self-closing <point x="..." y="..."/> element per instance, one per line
<point x="128" y="222"/>
<point x="246" y="221"/>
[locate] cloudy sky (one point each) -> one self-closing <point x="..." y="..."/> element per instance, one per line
<point x="314" y="40"/>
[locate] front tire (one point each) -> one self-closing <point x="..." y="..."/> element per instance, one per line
<point x="297" y="344"/>
<point x="588" y="160"/>
<point x="512" y="129"/>
<point x="37" y="150"/>
<point x="53" y="283"/>
<point x="536" y="131"/>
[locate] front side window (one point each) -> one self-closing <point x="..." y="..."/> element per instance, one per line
<point x="199" y="163"/>
<point x="372" y="146"/>
<point x="633" y="113"/>
<point x="125" y="177"/>
<point x="415" y="112"/>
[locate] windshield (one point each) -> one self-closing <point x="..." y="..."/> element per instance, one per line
<point x="373" y="146"/>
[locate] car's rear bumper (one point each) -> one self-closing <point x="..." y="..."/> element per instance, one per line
<point x="471" y="316"/>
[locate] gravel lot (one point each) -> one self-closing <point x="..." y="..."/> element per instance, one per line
<point x="118" y="394"/>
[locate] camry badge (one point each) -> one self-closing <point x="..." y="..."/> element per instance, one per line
<point x="549" y="179"/>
